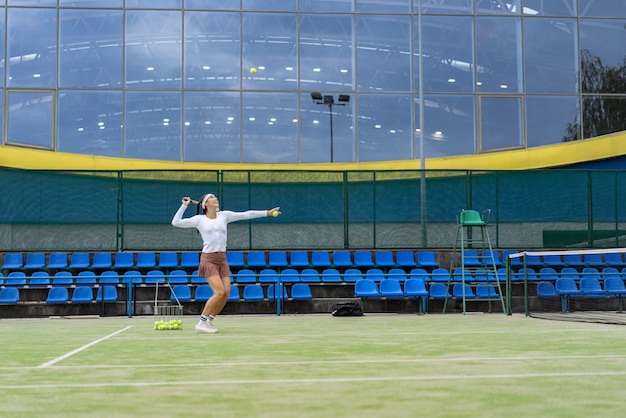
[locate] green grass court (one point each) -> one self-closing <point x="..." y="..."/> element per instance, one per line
<point x="314" y="366"/>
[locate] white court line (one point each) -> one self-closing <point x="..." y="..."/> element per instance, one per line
<point x="316" y="380"/>
<point x="78" y="350"/>
<point x="330" y="362"/>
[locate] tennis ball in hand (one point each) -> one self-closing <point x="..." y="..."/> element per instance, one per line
<point x="252" y="70"/>
<point x="275" y="213"/>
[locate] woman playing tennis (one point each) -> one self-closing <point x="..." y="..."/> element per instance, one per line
<point x="212" y="225"/>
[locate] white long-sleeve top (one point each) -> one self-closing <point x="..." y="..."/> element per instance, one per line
<point x="213" y="231"/>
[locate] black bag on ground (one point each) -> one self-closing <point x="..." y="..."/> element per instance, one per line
<point x="347" y="309"/>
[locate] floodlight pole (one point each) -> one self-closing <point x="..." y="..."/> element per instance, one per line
<point x="330" y="101"/>
<point x="330" y="113"/>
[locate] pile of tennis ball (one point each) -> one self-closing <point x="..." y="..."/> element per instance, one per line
<point x="168" y="325"/>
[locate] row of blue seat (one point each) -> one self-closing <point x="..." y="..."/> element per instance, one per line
<point x="414" y="288"/>
<point x="100" y="261"/>
<point x="586" y="287"/>
<point x="551" y="274"/>
<point x="309" y="275"/>
<point x="267" y="275"/>
<point x="181" y="293"/>
<point x="250" y="259"/>
<point x="60" y="294"/>
<point x="609" y="259"/>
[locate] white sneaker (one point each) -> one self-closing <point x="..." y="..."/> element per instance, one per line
<point x="206" y="327"/>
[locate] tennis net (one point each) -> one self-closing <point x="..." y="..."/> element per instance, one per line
<point x="572" y="285"/>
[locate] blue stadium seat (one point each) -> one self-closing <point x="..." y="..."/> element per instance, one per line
<point x="438" y="291"/>
<point x="245" y="276"/>
<point x="384" y="259"/>
<point x="110" y="294"/>
<point x="427" y="259"/>
<point x="406" y="259"/>
<point x="592" y="260"/>
<point x="320" y="259"/>
<point x="145" y="260"/>
<point x="570" y="273"/>
<point x="614" y="286"/>
<point x="268" y="276"/>
<point x="86" y="277"/>
<point x="573" y="260"/>
<point x="366" y="289"/>
<point x="180" y="293"/>
<point x="57" y="261"/>
<point x="529" y="273"/>
<point x="440" y="274"/>
<point x="352" y="275"/>
<point x="363" y="259"/>
<point x="548" y="274"/>
<point x="109" y="277"/>
<point x="154" y="276"/>
<point x="278" y="259"/>
<point x="513" y="262"/>
<point x="79" y="261"/>
<point x="289" y="276"/>
<point x="391" y="289"/>
<point x="486" y="258"/>
<point x="270" y="291"/>
<point x="63" y="278"/>
<point x="256" y="259"/>
<point x="590" y="287"/>
<point x="590" y="272"/>
<point x="415" y="288"/>
<point x="310" y="276"/>
<point x="168" y="260"/>
<point x="331" y="276"/>
<point x="610" y="272"/>
<point x="342" y="259"/>
<point x="203" y="293"/>
<point x="235" y="259"/>
<point x="301" y="291"/>
<point x="132" y="276"/>
<point x="16" y="278"/>
<point x="57" y="295"/>
<point x="553" y="260"/>
<point x="35" y="261"/>
<point x="418" y="273"/>
<point x="13" y="261"/>
<point x="486" y="291"/>
<point x="190" y="259"/>
<point x="471" y="258"/>
<point x="614" y="260"/>
<point x="299" y="259"/>
<point x="39" y="278"/>
<point x="546" y="290"/>
<point x="567" y="286"/>
<point x="457" y="275"/>
<point x="457" y="291"/>
<point x="178" y="277"/>
<point x="102" y="261"/>
<point x="124" y="260"/>
<point x="375" y="275"/>
<point x="82" y="294"/>
<point x="195" y="278"/>
<point x="398" y="274"/>
<point x="9" y="296"/>
<point x="253" y="292"/>
<point x="534" y="261"/>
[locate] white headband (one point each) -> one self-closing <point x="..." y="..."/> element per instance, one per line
<point x="205" y="199"/>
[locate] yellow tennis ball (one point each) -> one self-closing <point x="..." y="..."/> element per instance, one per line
<point x="275" y="213"/>
<point x="253" y="70"/>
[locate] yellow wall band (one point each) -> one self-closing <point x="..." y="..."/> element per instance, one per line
<point x="524" y="159"/>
